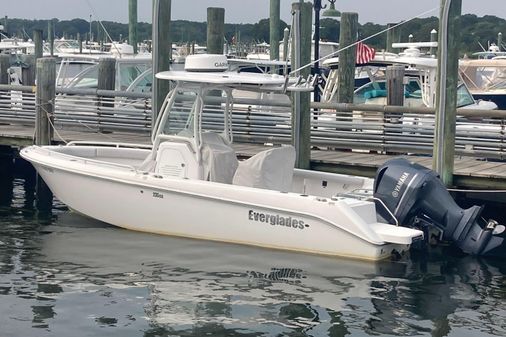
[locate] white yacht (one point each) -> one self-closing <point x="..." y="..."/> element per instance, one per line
<point x="189" y="183"/>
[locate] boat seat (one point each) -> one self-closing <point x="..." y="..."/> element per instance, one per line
<point x="176" y="159"/>
<point x="218" y="158"/>
<point x="270" y="169"/>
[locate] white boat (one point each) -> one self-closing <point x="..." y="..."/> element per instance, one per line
<point x="486" y="79"/>
<point x="189" y="183"/>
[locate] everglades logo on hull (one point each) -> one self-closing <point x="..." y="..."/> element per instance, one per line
<point x="276" y="220"/>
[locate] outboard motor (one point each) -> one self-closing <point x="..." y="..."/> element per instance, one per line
<point x="414" y="194"/>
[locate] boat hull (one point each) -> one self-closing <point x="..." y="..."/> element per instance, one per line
<point x="499" y="98"/>
<point x="186" y="208"/>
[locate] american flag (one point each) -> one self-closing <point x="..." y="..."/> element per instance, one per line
<point x="364" y="53"/>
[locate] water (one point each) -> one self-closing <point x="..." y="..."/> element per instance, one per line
<point x="65" y="275"/>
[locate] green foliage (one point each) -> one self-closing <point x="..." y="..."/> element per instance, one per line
<point x="473" y="32"/>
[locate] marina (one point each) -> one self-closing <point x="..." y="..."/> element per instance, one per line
<point x="299" y="186"/>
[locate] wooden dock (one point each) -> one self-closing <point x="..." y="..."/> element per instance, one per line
<point x="470" y="173"/>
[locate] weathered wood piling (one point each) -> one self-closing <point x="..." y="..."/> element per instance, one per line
<point x="215" y="30"/>
<point x="301" y="111"/>
<point x="106" y="79"/>
<point x="38" y="41"/>
<point x="446" y="99"/>
<point x="274" y="29"/>
<point x="395" y="85"/>
<point x="161" y="51"/>
<point x="347" y="57"/>
<point x="393" y="36"/>
<point x="132" y="24"/>
<point x="50" y="36"/>
<point x="5" y="63"/>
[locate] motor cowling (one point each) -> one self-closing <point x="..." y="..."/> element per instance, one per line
<point x="412" y="193"/>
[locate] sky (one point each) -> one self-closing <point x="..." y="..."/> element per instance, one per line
<point x="236" y="11"/>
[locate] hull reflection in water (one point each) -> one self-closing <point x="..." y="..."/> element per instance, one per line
<point x="188" y="277"/>
<point x="197" y="287"/>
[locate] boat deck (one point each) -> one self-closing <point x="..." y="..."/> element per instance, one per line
<point x="469" y="172"/>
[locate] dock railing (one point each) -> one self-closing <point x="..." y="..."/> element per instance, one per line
<point x="361" y="127"/>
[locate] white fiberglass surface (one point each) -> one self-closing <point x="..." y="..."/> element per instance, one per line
<point x="328" y="185"/>
<point x="118" y="155"/>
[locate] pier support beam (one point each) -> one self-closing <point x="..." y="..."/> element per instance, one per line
<point x="301" y="111"/>
<point x="215" y="30"/>
<point x="162" y="50"/>
<point x="274" y="29"/>
<point x="347" y="58"/>
<point x="446" y="99"/>
<point x="132" y="24"/>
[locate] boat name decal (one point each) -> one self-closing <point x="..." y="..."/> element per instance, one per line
<point x="157" y="195"/>
<point x="398" y="186"/>
<point x="276" y="219"/>
<point x="220" y="64"/>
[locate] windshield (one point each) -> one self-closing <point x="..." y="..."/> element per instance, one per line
<point x="464" y="97"/>
<point x="378" y="89"/>
<point x="187" y="106"/>
<point x="128" y="73"/>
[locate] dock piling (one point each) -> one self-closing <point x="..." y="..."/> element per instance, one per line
<point x="45" y="97"/>
<point x="215" y="29"/>
<point x="433" y="38"/>
<point x="393" y="36"/>
<point x="301" y="111"/>
<point x="80" y="42"/>
<point x="132" y="24"/>
<point x="161" y="51"/>
<point x="106" y="81"/>
<point x="50" y="36"/>
<point x="347" y="58"/>
<point x="286" y="37"/>
<point x="395" y="85"/>
<point x="37" y="40"/>
<point x="5" y="63"/>
<point x="446" y="100"/>
<point x="274" y="29"/>
<point x="44" y="101"/>
<point x="107" y="73"/>
<point x="28" y="70"/>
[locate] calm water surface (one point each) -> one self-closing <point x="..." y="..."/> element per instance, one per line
<point x="64" y="275"/>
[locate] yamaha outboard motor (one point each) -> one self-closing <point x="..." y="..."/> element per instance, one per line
<point x="414" y="194"/>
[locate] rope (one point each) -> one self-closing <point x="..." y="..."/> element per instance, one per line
<point x="365" y="39"/>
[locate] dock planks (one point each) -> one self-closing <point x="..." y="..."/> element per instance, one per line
<point x="482" y="173"/>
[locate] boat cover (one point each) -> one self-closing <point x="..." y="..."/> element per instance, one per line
<point x="270" y="169"/>
<point x="219" y="158"/>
